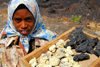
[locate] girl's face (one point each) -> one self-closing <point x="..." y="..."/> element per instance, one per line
<point x="23" y="21"/>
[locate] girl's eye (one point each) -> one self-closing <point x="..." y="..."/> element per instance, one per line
<point x="18" y="19"/>
<point x="29" y="19"/>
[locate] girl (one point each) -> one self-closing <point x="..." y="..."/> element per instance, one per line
<point x="23" y="33"/>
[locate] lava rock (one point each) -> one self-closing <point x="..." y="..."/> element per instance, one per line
<point x="90" y="49"/>
<point x="95" y="40"/>
<point x="78" y="36"/>
<point x="97" y="52"/>
<point x="81" y="43"/>
<point x="81" y="57"/>
<point x="98" y="43"/>
<point x="98" y="46"/>
<point x="81" y="48"/>
<point x="72" y="44"/>
<point x="92" y="42"/>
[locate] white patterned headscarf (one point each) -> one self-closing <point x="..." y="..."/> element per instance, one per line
<point x="38" y="32"/>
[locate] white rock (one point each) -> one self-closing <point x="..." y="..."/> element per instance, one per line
<point x="76" y="64"/>
<point x="43" y="65"/>
<point x="40" y="65"/>
<point x="60" y="43"/>
<point x="64" y="60"/>
<point x="65" y="64"/>
<point x="32" y="61"/>
<point x="69" y="51"/>
<point x="34" y="64"/>
<point x="52" y="48"/>
<point x="49" y="54"/>
<point x="54" y="61"/>
<point x="60" y="52"/>
<point x="43" y="58"/>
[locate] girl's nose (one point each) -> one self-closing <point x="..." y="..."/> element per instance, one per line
<point x="24" y="25"/>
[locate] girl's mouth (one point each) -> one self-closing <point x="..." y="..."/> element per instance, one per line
<point x="24" y="32"/>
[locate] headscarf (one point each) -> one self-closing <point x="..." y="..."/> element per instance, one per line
<point x="38" y="32"/>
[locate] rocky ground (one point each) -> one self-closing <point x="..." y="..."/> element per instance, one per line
<point x="56" y="14"/>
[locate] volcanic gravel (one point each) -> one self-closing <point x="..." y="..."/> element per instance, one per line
<point x="54" y="8"/>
